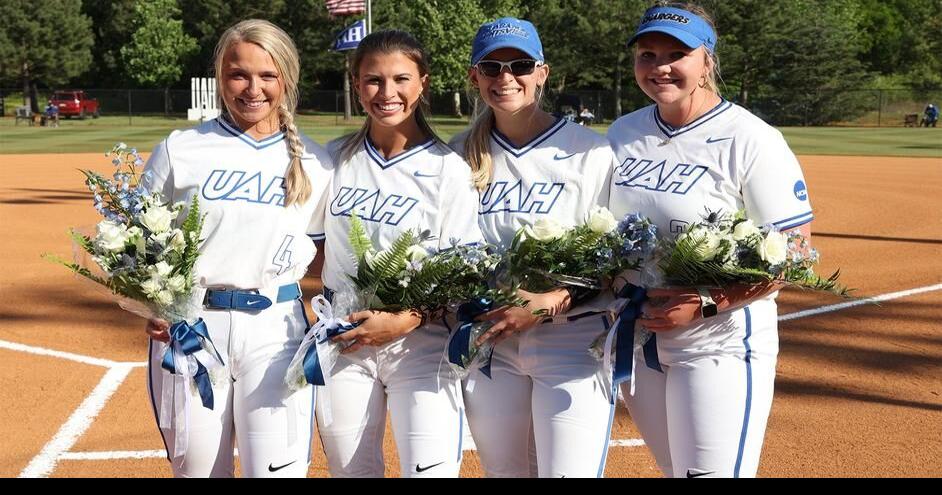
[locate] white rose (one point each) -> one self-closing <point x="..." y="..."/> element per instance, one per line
<point x="151" y="286"/>
<point x="708" y="242"/>
<point x="178" y="240"/>
<point x="601" y="220"/>
<point x="135" y="233"/>
<point x="164" y="298"/>
<point x="111" y="236"/>
<point x="157" y="219"/>
<point x="162" y="269"/>
<point x="744" y="230"/>
<point x="774" y="248"/>
<point x="416" y="253"/>
<point x="545" y="229"/>
<point x="176" y="283"/>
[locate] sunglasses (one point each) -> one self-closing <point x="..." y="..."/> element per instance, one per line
<point x="519" y="67"/>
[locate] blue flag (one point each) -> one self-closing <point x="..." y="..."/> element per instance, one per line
<point x="350" y="37"/>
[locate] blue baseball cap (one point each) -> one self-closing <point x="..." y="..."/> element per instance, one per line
<point x="506" y="32"/>
<point x="687" y="27"/>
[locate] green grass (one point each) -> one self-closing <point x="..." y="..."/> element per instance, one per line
<point x="98" y="135"/>
<point x="865" y="141"/>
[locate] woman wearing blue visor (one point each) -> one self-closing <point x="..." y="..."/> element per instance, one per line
<point x="543" y="391"/>
<point x="703" y="401"/>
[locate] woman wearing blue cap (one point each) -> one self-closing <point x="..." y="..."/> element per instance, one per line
<point x="545" y="390"/>
<point x="702" y="403"/>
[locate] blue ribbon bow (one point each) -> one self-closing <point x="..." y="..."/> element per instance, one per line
<point x="625" y="336"/>
<point x="190" y="339"/>
<point x="459" y="348"/>
<point x="313" y="372"/>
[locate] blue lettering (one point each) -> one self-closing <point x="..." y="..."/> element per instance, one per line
<point x="539" y="198"/>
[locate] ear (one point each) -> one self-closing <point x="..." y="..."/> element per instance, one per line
<point x="425" y="83"/>
<point x="542" y="74"/>
<point x="473" y="77"/>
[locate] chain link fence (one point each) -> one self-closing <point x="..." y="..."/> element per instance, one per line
<point x="860" y="108"/>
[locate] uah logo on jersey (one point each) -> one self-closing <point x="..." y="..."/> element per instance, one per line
<point x="517" y="198"/>
<point x="370" y="206"/>
<point x="646" y="174"/>
<point x="233" y="185"/>
<point x="801" y="191"/>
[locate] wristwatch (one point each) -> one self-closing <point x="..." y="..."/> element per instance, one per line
<point x="708" y="307"/>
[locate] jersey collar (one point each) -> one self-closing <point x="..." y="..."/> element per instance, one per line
<point x="505" y="143"/>
<point x="246" y="138"/>
<point x="670" y="131"/>
<point x="384" y="163"/>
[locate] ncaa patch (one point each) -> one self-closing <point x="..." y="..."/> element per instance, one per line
<point x="801" y="192"/>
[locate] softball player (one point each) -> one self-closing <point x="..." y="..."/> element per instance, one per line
<point x="395" y="175"/>
<point x="258" y="181"/>
<point x="531" y="165"/>
<point x="703" y="408"/>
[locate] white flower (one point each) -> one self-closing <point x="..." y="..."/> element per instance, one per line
<point x="370" y="256"/>
<point x="151" y="286"/>
<point x="601" y="220"/>
<point x="135" y="233"/>
<point x="744" y="230"/>
<point x="157" y="219"/>
<point x="416" y="253"/>
<point x="111" y="236"/>
<point x="708" y="241"/>
<point x="164" y="298"/>
<point x="774" y="248"/>
<point x="545" y="229"/>
<point x="162" y="269"/>
<point x="178" y="240"/>
<point x="176" y="284"/>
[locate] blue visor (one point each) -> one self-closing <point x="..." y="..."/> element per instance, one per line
<point x="506" y="32"/>
<point x="690" y="29"/>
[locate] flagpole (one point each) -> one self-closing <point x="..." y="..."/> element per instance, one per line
<point x="369" y="16"/>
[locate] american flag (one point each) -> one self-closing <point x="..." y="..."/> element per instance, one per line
<point x="345" y="7"/>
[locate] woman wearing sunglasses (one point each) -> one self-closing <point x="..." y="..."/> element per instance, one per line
<point x="544" y="390"/>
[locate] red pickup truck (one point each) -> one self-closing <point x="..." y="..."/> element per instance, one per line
<point x="75" y="103"/>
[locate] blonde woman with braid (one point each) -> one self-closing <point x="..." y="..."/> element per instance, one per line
<point x="259" y="183"/>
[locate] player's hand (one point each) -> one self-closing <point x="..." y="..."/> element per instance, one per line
<point x="511" y="319"/>
<point x="158" y="330"/>
<point x="667" y="309"/>
<point x="377" y="328"/>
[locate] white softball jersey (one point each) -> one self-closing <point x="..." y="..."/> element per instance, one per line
<point x="718" y="374"/>
<point x="544" y="382"/>
<point x="427" y="187"/>
<point x="251" y="241"/>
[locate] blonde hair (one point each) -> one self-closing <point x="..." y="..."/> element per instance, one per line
<point x="284" y="54"/>
<point x="389" y="41"/>
<point x="477" y="145"/>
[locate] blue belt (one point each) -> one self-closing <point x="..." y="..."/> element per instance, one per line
<point x="248" y="300"/>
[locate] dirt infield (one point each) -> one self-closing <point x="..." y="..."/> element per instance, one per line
<point x="859" y="389"/>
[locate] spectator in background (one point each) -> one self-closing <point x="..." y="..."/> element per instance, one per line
<point x="586" y="117"/>
<point x="50" y="115"/>
<point x="930" y="116"/>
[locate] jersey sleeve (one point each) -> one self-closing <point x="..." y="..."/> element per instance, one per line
<point x="773" y="186"/>
<point x="602" y="166"/>
<point x="158" y="172"/>
<point x="459" y="210"/>
<point x="316" y="229"/>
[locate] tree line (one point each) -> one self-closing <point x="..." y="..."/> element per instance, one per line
<point x="792" y="60"/>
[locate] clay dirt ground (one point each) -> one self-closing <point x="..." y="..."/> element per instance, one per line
<point x="857" y="394"/>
